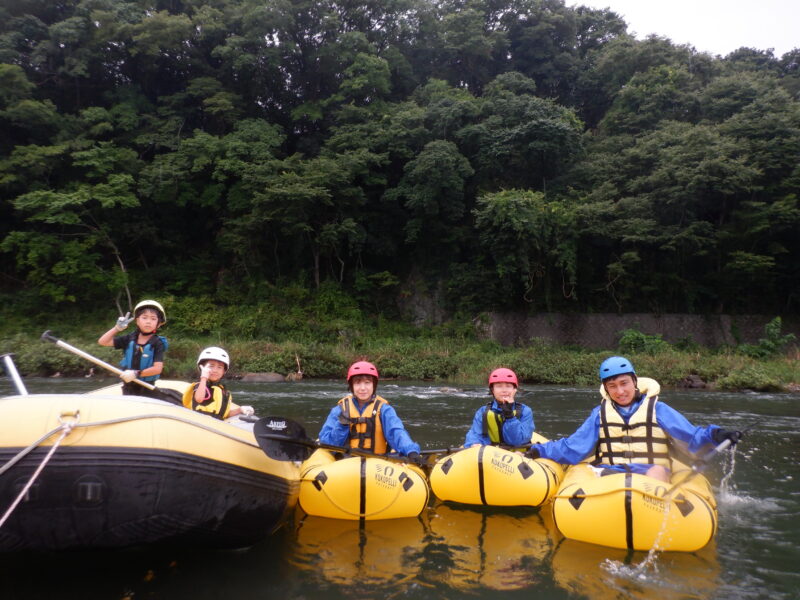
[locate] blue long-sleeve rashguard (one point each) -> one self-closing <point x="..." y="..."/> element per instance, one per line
<point x="337" y="434"/>
<point x="517" y="431"/>
<point x="573" y="449"/>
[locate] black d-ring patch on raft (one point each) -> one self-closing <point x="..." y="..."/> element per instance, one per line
<point x="577" y="498"/>
<point x="320" y="480"/>
<point x="447" y="465"/>
<point x="406" y="481"/>
<point x="525" y="469"/>
<point x="683" y="504"/>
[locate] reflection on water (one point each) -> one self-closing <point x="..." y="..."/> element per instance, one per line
<point x="487" y="548"/>
<point x="445" y="548"/>
<point x="481" y="550"/>
<point x="369" y="555"/>
<point x="453" y="551"/>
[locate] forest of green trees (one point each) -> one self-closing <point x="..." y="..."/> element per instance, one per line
<point x="511" y="154"/>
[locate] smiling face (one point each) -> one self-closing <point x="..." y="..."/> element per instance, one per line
<point x="216" y="369"/>
<point x="147" y="321"/>
<point x="504" y="392"/>
<point x="363" y="387"/>
<point x="621" y="389"/>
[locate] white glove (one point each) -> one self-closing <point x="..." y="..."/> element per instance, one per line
<point x="128" y="376"/>
<point x="123" y="322"/>
<point x="247" y="411"/>
<point x="205" y="371"/>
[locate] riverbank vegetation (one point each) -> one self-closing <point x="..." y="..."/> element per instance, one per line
<point x="324" y="337"/>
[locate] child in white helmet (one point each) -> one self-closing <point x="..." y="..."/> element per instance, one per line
<point x="143" y="350"/>
<point x="208" y="395"/>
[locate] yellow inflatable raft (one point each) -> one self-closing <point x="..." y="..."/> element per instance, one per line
<point x="360" y="487"/>
<point x="106" y="470"/>
<point x="626" y="510"/>
<point x="630" y="511"/>
<point x="493" y="476"/>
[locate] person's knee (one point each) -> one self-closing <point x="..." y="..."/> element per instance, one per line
<point x="658" y="472"/>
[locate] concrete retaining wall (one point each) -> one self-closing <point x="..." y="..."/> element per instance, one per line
<point x="602" y="331"/>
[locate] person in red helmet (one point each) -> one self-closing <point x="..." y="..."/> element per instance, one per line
<point x="364" y="420"/>
<point x="502" y="420"/>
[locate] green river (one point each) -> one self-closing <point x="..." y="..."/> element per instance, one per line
<point x="453" y="551"/>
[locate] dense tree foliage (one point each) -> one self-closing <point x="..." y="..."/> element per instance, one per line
<point x="511" y="153"/>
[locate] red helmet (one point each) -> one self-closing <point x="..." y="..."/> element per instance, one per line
<point x="503" y="375"/>
<point x="362" y="367"/>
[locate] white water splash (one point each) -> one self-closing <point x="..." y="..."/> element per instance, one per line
<point x="642" y="572"/>
<point x="645" y="580"/>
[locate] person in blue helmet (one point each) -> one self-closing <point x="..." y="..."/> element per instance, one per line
<point x="502" y="420"/>
<point x="630" y="430"/>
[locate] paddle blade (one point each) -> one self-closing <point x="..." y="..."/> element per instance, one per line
<point x="282" y="439"/>
<point x="168" y="395"/>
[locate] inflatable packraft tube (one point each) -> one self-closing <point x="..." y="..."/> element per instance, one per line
<point x="626" y="510"/>
<point x="359" y="487"/>
<point x="493" y="476"/>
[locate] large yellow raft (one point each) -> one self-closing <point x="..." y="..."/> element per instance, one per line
<point x="129" y="470"/>
<point x="626" y="510"/>
<point x="492" y="476"/>
<point x="361" y="487"/>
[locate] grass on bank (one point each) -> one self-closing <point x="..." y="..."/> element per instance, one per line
<point x="327" y="331"/>
<point x="443" y="359"/>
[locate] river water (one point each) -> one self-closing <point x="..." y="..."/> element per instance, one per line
<point x="453" y="551"/>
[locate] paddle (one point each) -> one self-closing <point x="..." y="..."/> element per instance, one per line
<point x="283" y="439"/>
<point x="168" y="395"/>
<point x="699" y="465"/>
<point x="446" y="451"/>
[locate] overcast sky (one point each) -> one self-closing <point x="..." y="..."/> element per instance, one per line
<point x="715" y="26"/>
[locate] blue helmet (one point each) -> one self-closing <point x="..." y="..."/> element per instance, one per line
<point x="615" y="365"/>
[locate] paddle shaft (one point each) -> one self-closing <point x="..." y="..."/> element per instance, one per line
<point x="446" y="451"/>
<point x="11" y="369"/>
<point x="313" y="444"/>
<point x="100" y="363"/>
<point x="697" y="467"/>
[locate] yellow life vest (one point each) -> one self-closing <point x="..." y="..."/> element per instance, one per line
<point x="218" y="405"/>
<point x="366" y="431"/>
<point x="493" y="423"/>
<point x="641" y="440"/>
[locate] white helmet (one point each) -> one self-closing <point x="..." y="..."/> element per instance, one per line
<point x="154" y="305"/>
<point x="214" y="353"/>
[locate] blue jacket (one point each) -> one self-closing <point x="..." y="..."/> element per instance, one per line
<point x="336" y="434"/>
<point x="573" y="449"/>
<point x="516" y="431"/>
<point x="141" y="357"/>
